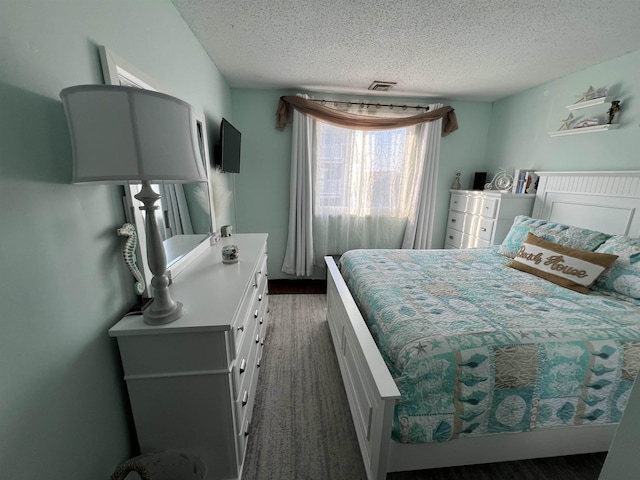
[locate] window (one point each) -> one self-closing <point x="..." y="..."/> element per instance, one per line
<point x="363" y="173"/>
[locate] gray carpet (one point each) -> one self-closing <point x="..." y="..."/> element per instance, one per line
<point x="301" y="425"/>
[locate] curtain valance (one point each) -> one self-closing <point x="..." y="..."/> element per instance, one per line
<point x="361" y="122"/>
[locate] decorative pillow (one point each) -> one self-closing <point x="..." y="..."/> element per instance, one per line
<point x="568" y="267"/>
<point x="574" y="237"/>
<point x="622" y="279"/>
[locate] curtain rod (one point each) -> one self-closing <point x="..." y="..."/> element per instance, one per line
<point x="377" y="105"/>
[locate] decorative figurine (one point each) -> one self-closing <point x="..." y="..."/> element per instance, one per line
<point x="615" y="108"/>
<point x="129" y="255"/>
<point x="501" y="181"/>
<point x="230" y="254"/>
<point x="566" y="123"/>
<point x="592" y="94"/>
<point x="456" y="183"/>
<point x="588" y="95"/>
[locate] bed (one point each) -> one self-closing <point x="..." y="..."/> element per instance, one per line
<point x="460" y="428"/>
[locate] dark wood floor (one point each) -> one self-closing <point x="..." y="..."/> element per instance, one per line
<point x="281" y="287"/>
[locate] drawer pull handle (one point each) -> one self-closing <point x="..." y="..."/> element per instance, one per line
<point x="486" y="208"/>
<point x="257" y="338"/>
<point x="245" y="398"/>
<point x="258" y="363"/>
<point x="243" y="366"/>
<point x="453" y="220"/>
<point x="260" y="297"/>
<point x="483" y="229"/>
<point x="255" y="314"/>
<point x="262" y="342"/>
<point x="241" y="328"/>
<point x="261" y="320"/>
<point x="246" y="430"/>
<point x="450" y="237"/>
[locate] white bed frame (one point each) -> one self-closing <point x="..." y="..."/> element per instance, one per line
<point x="605" y="201"/>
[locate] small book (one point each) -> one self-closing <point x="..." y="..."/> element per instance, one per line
<point x="530" y="182"/>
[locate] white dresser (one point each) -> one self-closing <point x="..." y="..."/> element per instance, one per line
<point x="192" y="382"/>
<point x="482" y="218"/>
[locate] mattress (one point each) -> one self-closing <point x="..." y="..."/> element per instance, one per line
<point x="476" y="347"/>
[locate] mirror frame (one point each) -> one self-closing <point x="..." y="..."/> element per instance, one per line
<point x="115" y="69"/>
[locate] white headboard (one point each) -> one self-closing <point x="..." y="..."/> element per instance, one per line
<point x="605" y="201"/>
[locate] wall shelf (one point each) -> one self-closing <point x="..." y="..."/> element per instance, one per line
<point x="589" y="103"/>
<point x="577" y="131"/>
<point x="578" y="106"/>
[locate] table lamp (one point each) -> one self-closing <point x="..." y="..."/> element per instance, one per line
<point x="123" y="135"/>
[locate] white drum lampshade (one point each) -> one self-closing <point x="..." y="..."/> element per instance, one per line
<point x="129" y="135"/>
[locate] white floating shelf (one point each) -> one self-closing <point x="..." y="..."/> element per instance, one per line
<point x="577" y="131"/>
<point x="589" y="103"/>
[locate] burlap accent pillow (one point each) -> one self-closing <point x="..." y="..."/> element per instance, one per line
<point x="565" y="266"/>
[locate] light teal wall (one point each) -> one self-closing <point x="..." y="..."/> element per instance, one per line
<point x="519" y="138"/>
<point x="262" y="187"/>
<point x="63" y="407"/>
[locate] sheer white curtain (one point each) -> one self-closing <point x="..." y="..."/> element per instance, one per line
<point x="419" y="231"/>
<point x="358" y="189"/>
<point x="298" y="257"/>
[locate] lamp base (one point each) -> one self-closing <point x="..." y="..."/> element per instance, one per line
<point x="161" y="317"/>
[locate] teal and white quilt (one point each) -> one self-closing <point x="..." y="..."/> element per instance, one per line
<point x="476" y="347"/>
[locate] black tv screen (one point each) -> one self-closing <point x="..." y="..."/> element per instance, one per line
<point x="228" y="158"/>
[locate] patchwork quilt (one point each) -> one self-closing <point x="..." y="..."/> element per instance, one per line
<point x="477" y="347"/>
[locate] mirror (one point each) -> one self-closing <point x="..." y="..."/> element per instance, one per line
<point x="186" y="217"/>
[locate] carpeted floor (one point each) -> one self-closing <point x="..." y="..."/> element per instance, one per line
<point x="301" y="426"/>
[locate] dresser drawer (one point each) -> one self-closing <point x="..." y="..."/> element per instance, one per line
<point x="242" y="367"/>
<point x="484" y="229"/>
<point x="454" y="238"/>
<point x="251" y="301"/>
<point x="459" y="202"/>
<point x="487" y="207"/>
<point x="456" y="220"/>
<point x="471" y="241"/>
<point x="244" y="397"/>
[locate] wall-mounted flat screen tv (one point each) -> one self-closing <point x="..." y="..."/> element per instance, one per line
<point x="228" y="150"/>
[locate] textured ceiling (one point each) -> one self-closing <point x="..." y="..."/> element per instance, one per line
<point x="457" y="49"/>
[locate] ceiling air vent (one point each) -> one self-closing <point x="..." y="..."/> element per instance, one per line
<point x="381" y="86"/>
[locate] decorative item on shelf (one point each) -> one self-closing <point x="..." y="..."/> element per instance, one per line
<point x="567" y="122"/>
<point x="501" y="181"/>
<point x="615" y="108"/>
<point x="123" y="135"/>
<point x="525" y="181"/>
<point x="129" y="254"/>
<point x="456" y="183"/>
<point x="230" y="254"/>
<point x="587" y="122"/>
<point x="226" y="230"/>
<point x="591" y="94"/>
<point x="479" y="179"/>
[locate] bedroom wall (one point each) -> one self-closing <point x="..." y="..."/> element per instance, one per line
<point x="262" y="187"/>
<point x="518" y="137"/>
<point x="63" y="404"/>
